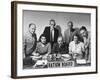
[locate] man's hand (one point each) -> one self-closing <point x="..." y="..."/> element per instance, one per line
<point x="74" y="55"/>
<point x="45" y="56"/>
<point x="58" y="55"/>
<point x="36" y="54"/>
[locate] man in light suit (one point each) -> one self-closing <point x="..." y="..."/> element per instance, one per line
<point x="29" y="44"/>
<point x="70" y="32"/>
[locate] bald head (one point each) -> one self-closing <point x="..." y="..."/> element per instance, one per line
<point x="32" y="28"/>
<point x="60" y="40"/>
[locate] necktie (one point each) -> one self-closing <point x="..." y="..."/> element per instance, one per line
<point x="51" y="36"/>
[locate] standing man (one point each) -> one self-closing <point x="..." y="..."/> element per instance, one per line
<point x="86" y="40"/>
<point x="51" y="32"/>
<point x="70" y="32"/>
<point x="30" y="40"/>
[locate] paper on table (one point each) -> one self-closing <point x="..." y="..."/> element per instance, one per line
<point x="41" y="62"/>
<point x="81" y="61"/>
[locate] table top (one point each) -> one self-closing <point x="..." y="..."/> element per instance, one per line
<point x="59" y="63"/>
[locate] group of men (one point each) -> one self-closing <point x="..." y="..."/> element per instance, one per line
<point x="76" y="41"/>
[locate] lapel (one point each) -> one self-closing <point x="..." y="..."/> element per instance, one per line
<point x="49" y="31"/>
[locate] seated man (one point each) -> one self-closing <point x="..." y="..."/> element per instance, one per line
<point x="76" y="48"/>
<point x="60" y="47"/>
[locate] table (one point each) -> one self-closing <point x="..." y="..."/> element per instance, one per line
<point x="55" y="63"/>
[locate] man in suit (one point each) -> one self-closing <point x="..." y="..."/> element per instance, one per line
<point x="60" y="47"/>
<point x="70" y="32"/>
<point x="30" y="40"/>
<point x="29" y="44"/>
<point x="51" y="32"/>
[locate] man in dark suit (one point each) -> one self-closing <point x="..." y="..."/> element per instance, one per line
<point x="60" y="47"/>
<point x="51" y="32"/>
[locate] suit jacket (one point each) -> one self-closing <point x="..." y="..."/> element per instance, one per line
<point x="29" y="43"/>
<point x="68" y="35"/>
<point x="47" y="34"/>
<point x="63" y="49"/>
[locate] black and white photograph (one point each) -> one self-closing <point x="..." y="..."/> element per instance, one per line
<point x="54" y="39"/>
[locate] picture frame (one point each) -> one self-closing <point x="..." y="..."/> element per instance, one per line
<point x="39" y="14"/>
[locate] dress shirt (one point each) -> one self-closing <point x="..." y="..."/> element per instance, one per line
<point x="52" y="34"/>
